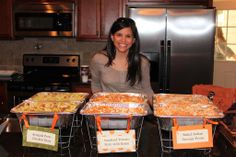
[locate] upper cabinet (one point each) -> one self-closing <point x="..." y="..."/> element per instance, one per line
<point x="6" y="28"/>
<point x="95" y="18"/>
<point x="208" y="3"/>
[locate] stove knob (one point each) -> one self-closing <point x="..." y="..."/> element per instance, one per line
<point x="68" y="60"/>
<point x="73" y="60"/>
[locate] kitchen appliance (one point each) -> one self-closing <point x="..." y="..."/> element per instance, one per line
<point x="44" y="19"/>
<point x="179" y="43"/>
<point x="44" y="72"/>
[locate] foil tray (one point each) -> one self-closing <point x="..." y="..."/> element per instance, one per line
<point x="117" y="123"/>
<point x="59" y="96"/>
<point x="41" y="103"/>
<point x="191" y="101"/>
<point x="128" y="107"/>
<point x="118" y="95"/>
<point x="45" y="120"/>
<point x="15" y="109"/>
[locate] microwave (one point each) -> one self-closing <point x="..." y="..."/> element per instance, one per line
<point x="45" y="19"/>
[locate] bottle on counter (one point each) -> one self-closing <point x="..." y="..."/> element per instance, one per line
<point x="84" y="73"/>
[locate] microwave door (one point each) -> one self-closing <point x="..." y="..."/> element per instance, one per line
<point x="43" y="24"/>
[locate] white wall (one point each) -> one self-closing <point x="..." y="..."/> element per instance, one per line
<point x="225" y="74"/>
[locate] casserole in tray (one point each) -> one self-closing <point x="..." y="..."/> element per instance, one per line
<point x="116" y="108"/>
<point x="115" y="111"/>
<point x="51" y="109"/>
<point x="59" y="96"/>
<point x="187" y="109"/>
<point x="183" y="110"/>
<point x="43" y="105"/>
<point x="123" y="98"/>
<point x="114" y="115"/>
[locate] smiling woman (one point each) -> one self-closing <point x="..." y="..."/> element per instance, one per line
<point x="120" y="67"/>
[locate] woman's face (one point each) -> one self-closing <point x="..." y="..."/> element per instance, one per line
<point x="123" y="40"/>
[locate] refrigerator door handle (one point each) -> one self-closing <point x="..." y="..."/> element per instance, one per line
<point x="161" y="67"/>
<point x="168" y="62"/>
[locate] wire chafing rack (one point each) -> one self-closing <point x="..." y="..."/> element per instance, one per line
<point x="195" y="111"/>
<point x="112" y="123"/>
<point x="115" y="112"/>
<point x="165" y="132"/>
<point x="62" y="116"/>
<point x="64" y="124"/>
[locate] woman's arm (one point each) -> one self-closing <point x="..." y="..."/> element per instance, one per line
<point x="146" y="84"/>
<point x="95" y="74"/>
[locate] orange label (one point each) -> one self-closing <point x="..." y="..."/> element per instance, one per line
<point x="190" y="137"/>
<point x="112" y="141"/>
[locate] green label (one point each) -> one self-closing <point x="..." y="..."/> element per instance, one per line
<point x="40" y="137"/>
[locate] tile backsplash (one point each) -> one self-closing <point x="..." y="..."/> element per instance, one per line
<point x="12" y="50"/>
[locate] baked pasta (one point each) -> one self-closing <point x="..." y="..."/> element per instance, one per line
<point x="118" y="98"/>
<point x="104" y="109"/>
<point x="45" y="107"/>
<point x="167" y="105"/>
<point x="58" y="96"/>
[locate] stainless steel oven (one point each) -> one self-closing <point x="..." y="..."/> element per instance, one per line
<point x="44" y="19"/>
<point x="44" y="72"/>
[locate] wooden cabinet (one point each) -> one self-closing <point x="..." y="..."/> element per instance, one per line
<point x="3" y="97"/>
<point x="208" y="3"/>
<point x="6" y="27"/>
<point x="147" y="0"/>
<point x="95" y="18"/>
<point x="40" y="1"/>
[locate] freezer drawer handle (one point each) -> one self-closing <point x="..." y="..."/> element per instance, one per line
<point x="168" y="58"/>
<point x="161" y="65"/>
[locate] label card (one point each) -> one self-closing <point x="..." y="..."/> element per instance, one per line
<point x="40" y="137"/>
<point x="190" y="137"/>
<point x="112" y="141"/>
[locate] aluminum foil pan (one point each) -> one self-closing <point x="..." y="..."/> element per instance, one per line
<point x="114" y="122"/>
<point x="48" y="103"/>
<point x="45" y="120"/>
<point x="185" y="106"/>
<point x="60" y="96"/>
<point x="124" y="98"/>
<point x="115" y="109"/>
<point x="46" y="107"/>
<point x="166" y="123"/>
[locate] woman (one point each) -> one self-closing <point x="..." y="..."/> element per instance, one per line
<point x="120" y="67"/>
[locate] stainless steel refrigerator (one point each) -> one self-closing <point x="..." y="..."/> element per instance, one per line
<point x="180" y="45"/>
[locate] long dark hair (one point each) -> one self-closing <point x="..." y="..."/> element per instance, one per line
<point x="134" y="60"/>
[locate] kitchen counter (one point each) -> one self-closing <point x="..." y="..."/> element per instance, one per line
<point x="6" y="75"/>
<point x="11" y="146"/>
